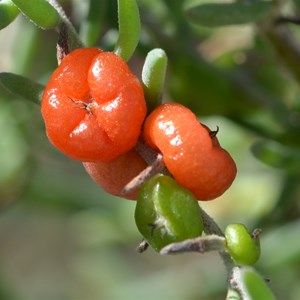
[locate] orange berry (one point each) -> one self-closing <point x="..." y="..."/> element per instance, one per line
<point x="192" y="156"/>
<point x="93" y="106"/>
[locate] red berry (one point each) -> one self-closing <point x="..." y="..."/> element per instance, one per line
<point x="191" y="154"/>
<point x="93" y="106"/>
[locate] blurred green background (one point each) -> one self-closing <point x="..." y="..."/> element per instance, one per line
<point x="62" y="237"/>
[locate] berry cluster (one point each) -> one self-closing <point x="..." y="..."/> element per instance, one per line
<point x="94" y="111"/>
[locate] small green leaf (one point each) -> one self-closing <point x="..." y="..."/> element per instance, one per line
<point x="278" y="156"/>
<point x="251" y="284"/>
<point x="153" y="77"/>
<point x="8" y="12"/>
<point x="221" y="14"/>
<point x="40" y="12"/>
<point x="22" y="87"/>
<point x="129" y="28"/>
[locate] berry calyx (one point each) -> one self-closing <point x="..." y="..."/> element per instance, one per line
<point x="190" y="151"/>
<point x="93" y="106"/>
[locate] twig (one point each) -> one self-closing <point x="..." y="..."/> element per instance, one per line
<point x="210" y="226"/>
<point x="200" y="244"/>
<point x="62" y="47"/>
<point x="146" y="152"/>
<point x="286" y="20"/>
<point x="156" y="166"/>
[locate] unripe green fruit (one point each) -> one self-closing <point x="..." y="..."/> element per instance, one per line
<point x="241" y="246"/>
<point x="166" y="212"/>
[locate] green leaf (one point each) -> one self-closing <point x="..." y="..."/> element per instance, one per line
<point x="22" y="87"/>
<point x="129" y="28"/>
<point x="8" y="12"/>
<point x="40" y="12"/>
<point x="153" y="77"/>
<point x="221" y="14"/>
<point x="278" y="156"/>
<point x="251" y="284"/>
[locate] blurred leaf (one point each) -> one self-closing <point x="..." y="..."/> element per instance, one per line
<point x="277" y="155"/>
<point x="286" y="46"/>
<point x="22" y="87"/>
<point x="297" y="3"/>
<point x="199" y="86"/>
<point x="40" y="12"/>
<point x="221" y="14"/>
<point x="14" y="155"/>
<point x="90" y="28"/>
<point x="8" y="12"/>
<point x="208" y="90"/>
<point x="281" y="247"/>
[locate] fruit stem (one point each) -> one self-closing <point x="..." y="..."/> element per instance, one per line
<point x="156" y="166"/>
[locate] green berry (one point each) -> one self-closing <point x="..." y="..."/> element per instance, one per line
<point x="166" y="212"/>
<point x="242" y="247"/>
